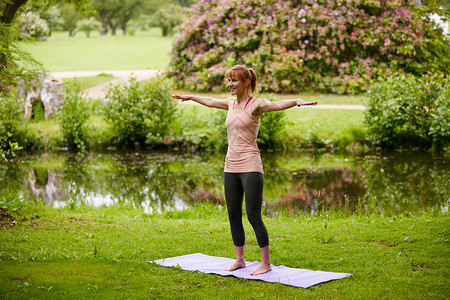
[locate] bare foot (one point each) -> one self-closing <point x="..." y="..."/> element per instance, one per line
<point x="262" y="269"/>
<point x="236" y="265"/>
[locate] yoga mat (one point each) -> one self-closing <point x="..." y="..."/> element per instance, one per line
<point x="215" y="265"/>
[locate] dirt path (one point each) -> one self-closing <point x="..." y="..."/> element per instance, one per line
<point x="99" y="91"/>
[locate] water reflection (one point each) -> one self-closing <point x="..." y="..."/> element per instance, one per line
<point x="293" y="182"/>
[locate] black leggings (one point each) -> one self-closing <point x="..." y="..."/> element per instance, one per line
<point x="236" y="184"/>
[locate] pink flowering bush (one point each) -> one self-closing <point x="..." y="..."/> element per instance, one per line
<point x="336" y="46"/>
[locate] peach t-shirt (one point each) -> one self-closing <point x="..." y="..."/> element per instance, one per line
<point x="243" y="154"/>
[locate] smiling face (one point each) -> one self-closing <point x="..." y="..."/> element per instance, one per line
<point x="235" y="84"/>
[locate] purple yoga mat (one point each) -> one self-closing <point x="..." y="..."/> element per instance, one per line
<point x="281" y="274"/>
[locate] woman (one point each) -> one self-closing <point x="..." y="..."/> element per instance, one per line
<point x="243" y="166"/>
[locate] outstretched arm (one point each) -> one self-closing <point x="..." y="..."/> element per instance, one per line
<point x="263" y="105"/>
<point x="206" y="101"/>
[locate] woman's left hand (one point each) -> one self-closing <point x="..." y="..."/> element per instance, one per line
<point x="301" y="102"/>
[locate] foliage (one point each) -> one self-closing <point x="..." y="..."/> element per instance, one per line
<point x="131" y="31"/>
<point x="31" y="25"/>
<point x="406" y="111"/>
<point x="70" y="18"/>
<point x="115" y="13"/>
<point x="17" y="67"/>
<point x="11" y="121"/>
<point x="140" y="111"/>
<point x="335" y="46"/>
<point x="13" y="147"/>
<point x="167" y="18"/>
<point x="73" y="116"/>
<point x="271" y="124"/>
<point x="53" y="18"/>
<point x="88" y="25"/>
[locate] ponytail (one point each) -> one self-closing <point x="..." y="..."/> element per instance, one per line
<point x="252" y="80"/>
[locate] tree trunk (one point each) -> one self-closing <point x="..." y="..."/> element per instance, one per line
<point x="10" y="10"/>
<point x="104" y="27"/>
<point x="113" y="26"/>
<point x="165" y="30"/>
<point x="124" y="28"/>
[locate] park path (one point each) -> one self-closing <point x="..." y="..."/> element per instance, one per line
<point x="99" y="91"/>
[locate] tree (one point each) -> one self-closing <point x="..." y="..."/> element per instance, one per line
<point x="130" y="8"/>
<point x="12" y="58"/>
<point x="115" y="13"/>
<point x="104" y="9"/>
<point x="167" y="18"/>
<point x="70" y="18"/>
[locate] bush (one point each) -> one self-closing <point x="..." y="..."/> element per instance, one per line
<point x="73" y="116"/>
<point x="294" y="46"/>
<point x="88" y="25"/>
<point x="271" y="124"/>
<point x="12" y="125"/>
<point x="131" y="31"/>
<point x="140" y="111"/>
<point x="31" y="25"/>
<point x="406" y="111"/>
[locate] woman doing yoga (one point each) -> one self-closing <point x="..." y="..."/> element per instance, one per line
<point x="243" y="173"/>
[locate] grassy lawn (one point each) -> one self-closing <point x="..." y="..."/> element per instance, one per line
<point x="145" y="50"/>
<point x="87" y="82"/>
<point x="102" y="253"/>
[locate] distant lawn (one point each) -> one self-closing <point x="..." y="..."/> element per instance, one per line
<point x="87" y="82"/>
<point x="145" y="50"/>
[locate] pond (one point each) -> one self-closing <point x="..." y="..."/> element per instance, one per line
<point x="390" y="183"/>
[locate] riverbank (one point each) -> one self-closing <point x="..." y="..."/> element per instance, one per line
<point x="79" y="252"/>
<point x="200" y="128"/>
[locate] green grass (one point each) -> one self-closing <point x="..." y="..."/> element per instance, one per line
<point x="101" y="253"/>
<point x="145" y="50"/>
<point x="87" y="82"/>
<point x="327" y="124"/>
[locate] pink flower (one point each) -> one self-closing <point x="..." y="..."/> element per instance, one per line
<point x="301" y="12"/>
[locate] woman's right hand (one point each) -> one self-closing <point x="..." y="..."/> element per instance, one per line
<point x="181" y="97"/>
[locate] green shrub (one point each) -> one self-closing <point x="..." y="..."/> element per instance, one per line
<point x="271" y="125"/>
<point x="406" y="111"/>
<point x="328" y="46"/>
<point x="12" y="126"/>
<point x="88" y="25"/>
<point x="140" y="111"/>
<point x="131" y="31"/>
<point x="73" y="116"/>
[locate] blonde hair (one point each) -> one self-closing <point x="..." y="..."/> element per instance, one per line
<point x="243" y="73"/>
